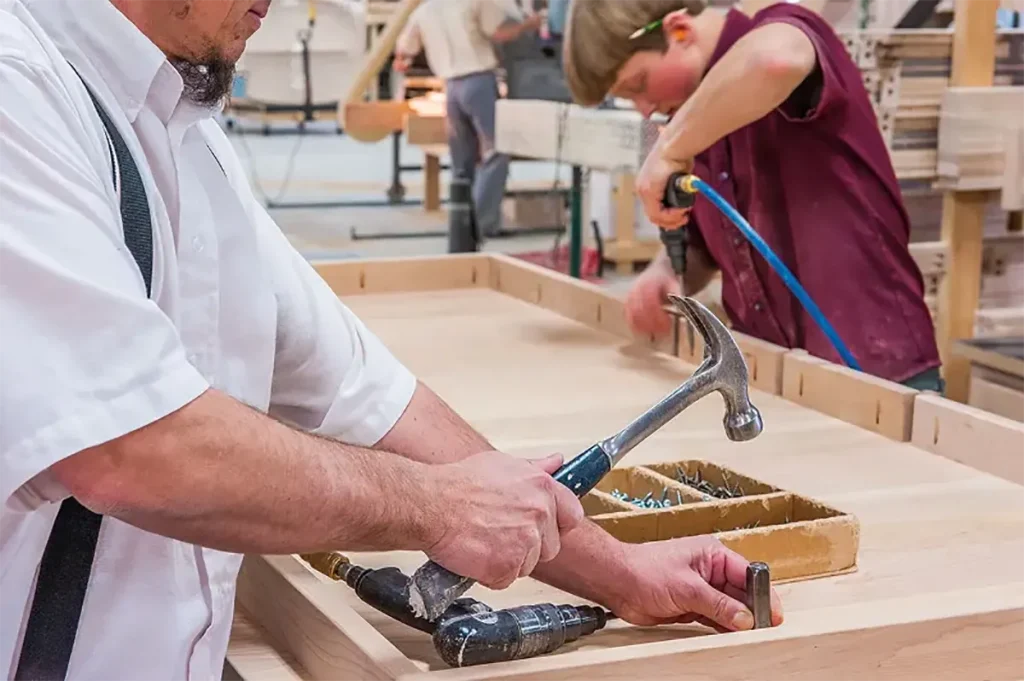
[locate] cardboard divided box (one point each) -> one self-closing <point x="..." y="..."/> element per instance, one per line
<point x="798" y="537"/>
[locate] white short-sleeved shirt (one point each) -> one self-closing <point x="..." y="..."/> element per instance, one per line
<point x="84" y="355"/>
<point x="456" y="36"/>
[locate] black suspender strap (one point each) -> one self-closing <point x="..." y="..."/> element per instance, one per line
<point x="68" y="557"/>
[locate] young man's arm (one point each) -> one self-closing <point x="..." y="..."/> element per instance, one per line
<point x="758" y="74"/>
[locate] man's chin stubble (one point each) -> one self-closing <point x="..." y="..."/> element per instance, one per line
<point x="206" y="83"/>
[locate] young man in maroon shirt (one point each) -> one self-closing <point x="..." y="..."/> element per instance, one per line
<point x="771" y="111"/>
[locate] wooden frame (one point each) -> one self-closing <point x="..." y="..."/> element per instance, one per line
<point x="308" y="627"/>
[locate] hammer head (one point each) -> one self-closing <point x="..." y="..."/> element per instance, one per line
<point x="724" y="369"/>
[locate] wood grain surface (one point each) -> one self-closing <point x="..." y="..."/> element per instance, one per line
<point x="938" y="593"/>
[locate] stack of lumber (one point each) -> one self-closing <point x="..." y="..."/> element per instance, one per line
<point x="941" y="138"/>
<point x="975" y="129"/>
<point x="924" y="206"/>
<point x="1001" y="301"/>
<point x="906" y="73"/>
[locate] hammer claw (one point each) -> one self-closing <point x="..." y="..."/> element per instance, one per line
<point x="723" y="368"/>
<point x="697" y="318"/>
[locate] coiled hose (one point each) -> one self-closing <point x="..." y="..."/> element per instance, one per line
<point x="691" y="184"/>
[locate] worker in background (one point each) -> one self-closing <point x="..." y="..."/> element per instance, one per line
<point x="238" y="408"/>
<point x="772" y="112"/>
<point x="458" y="38"/>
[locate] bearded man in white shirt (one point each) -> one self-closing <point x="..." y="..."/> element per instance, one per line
<point x="220" y="400"/>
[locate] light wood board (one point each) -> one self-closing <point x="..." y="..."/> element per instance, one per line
<point x="939" y="590"/>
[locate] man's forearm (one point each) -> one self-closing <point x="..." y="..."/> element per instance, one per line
<point x="754" y="77"/>
<point x="219" y="474"/>
<point x="432" y="432"/>
<point x="592" y="564"/>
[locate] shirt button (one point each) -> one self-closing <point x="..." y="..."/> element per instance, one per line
<point x="736" y="241"/>
<point x="723" y="176"/>
<point x="758" y="307"/>
<point x="197" y="244"/>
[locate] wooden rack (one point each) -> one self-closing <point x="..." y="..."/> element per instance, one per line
<point x="949" y="103"/>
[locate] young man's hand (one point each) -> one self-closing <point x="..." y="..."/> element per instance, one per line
<point x="694" y="579"/>
<point x="644" y="304"/>
<point x="495" y="516"/>
<point x="651" y="184"/>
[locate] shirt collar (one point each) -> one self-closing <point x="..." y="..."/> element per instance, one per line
<point x="737" y="24"/>
<point x="94" y="32"/>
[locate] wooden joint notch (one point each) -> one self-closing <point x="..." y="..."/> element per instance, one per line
<point x="764" y="360"/>
<point x="955" y="430"/>
<point x="575" y="299"/>
<point x="857" y="398"/>
<point x="429" y="273"/>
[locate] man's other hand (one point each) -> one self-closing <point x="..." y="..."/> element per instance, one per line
<point x="645" y="313"/>
<point x="501" y="516"/>
<point x="694" y="579"/>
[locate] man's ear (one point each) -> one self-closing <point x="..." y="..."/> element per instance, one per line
<point x="678" y="27"/>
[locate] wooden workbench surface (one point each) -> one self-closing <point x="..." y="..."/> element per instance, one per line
<point x="938" y="539"/>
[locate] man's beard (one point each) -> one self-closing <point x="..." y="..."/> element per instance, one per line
<point x="206" y="83"/>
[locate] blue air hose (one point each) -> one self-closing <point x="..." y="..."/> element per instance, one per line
<point x="692" y="184"/>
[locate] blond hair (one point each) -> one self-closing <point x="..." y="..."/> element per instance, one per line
<point x="597" y="40"/>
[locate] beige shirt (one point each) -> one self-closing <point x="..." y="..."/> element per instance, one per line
<point x="456" y="34"/>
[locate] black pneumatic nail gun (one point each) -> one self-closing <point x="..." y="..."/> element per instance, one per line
<point x="676" y="240"/>
<point x="469" y="632"/>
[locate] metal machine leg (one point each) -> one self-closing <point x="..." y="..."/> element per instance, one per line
<point x="576" y="225"/>
<point x="396" y="193"/>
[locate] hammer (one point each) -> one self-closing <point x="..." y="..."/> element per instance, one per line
<point x="434" y="588"/>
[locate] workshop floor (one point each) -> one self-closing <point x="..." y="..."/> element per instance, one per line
<point x="291" y="169"/>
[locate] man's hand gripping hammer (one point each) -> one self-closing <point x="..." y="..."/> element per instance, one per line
<point x="723" y="370"/>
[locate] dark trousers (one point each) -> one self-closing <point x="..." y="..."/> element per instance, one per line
<point x="472" y="102"/>
<point x="930" y="381"/>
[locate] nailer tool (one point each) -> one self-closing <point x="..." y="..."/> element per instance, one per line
<point x="469" y="632"/>
<point x="679" y="193"/>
